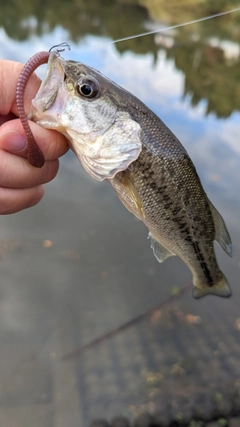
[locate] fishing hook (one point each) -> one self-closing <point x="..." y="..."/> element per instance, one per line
<point x="64" y="45"/>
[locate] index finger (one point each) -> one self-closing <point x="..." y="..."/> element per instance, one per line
<point x="52" y="143"/>
<point x="9" y="74"/>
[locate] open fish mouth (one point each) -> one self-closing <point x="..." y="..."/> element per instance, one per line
<point x="51" y="96"/>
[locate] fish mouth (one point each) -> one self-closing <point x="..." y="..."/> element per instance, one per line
<point x="52" y="96"/>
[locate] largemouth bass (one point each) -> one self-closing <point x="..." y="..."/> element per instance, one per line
<point x="117" y="138"/>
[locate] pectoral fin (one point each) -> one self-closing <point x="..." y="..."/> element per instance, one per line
<point x="159" y="251"/>
<point x="133" y="195"/>
<point x="221" y="233"/>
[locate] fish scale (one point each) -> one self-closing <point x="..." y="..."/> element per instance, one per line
<point x="117" y="138"/>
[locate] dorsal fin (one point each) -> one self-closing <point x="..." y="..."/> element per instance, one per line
<point x="221" y="233"/>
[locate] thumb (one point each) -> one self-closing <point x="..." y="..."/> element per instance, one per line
<point x="12" y="141"/>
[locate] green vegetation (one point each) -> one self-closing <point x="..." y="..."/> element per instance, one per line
<point x="177" y="11"/>
<point x="223" y="422"/>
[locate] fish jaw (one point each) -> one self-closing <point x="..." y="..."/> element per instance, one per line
<point x="51" y="97"/>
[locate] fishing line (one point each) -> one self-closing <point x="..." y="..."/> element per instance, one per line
<point x="162" y="30"/>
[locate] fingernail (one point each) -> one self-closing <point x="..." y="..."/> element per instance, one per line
<point x="14" y="142"/>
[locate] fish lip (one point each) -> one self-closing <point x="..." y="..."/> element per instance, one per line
<point x="50" y="98"/>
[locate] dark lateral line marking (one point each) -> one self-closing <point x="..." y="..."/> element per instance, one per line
<point x="203" y="264"/>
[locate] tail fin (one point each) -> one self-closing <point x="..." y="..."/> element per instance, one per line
<point x="221" y="289"/>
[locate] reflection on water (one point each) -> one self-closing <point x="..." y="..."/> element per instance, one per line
<point x="211" y="72"/>
<point x="211" y="68"/>
<point x="79" y="265"/>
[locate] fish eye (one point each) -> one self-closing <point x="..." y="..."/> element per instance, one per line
<point x="88" y="88"/>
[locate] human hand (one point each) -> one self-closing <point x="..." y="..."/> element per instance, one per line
<point x="21" y="185"/>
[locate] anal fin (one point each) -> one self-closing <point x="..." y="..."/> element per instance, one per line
<point x="159" y="251"/>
